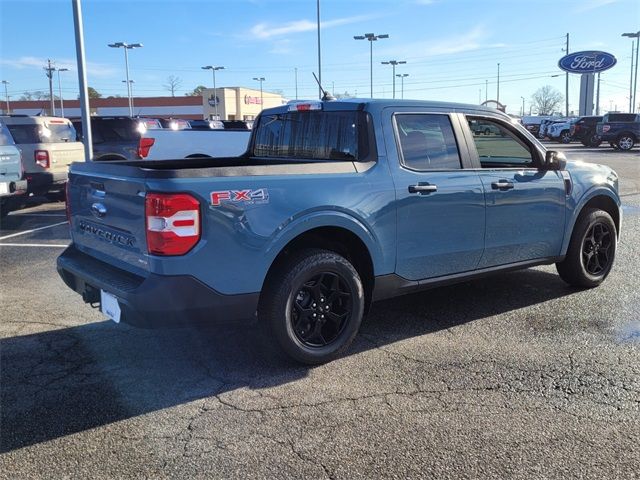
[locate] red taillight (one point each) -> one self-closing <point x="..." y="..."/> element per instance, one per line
<point x="42" y="158"/>
<point x="67" y="206"/>
<point x="173" y="223"/>
<point x="144" y="145"/>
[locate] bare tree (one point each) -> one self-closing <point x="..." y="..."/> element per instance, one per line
<point x="173" y="83"/>
<point x="546" y="100"/>
<point x="196" y="91"/>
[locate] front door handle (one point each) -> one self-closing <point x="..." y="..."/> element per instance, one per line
<point x="423" y="189"/>
<point x="502" y="185"/>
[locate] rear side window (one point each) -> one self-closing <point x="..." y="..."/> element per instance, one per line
<point x="314" y="135"/>
<point x="5" y="136"/>
<point x="49" y="133"/>
<point x="427" y="142"/>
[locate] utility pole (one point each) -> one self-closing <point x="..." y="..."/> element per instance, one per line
<point x="260" y="79"/>
<point x="486" y="91"/>
<point x="49" y="69"/>
<point x="634" y="89"/>
<point x="6" y="96"/>
<point x="215" y="90"/>
<point x="522" y="106"/>
<point x="498" y="87"/>
<point x="296" y="74"/>
<point x="566" y="84"/>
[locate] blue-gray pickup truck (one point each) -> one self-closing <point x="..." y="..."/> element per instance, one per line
<point x="334" y="205"/>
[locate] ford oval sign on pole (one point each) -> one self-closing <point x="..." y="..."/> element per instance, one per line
<point x="587" y="62"/>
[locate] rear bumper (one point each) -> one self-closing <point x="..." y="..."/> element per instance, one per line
<point x="45" y="182"/>
<point x="17" y="187"/>
<point x="155" y="300"/>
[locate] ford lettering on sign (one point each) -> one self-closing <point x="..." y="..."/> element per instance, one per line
<point x="587" y="62"/>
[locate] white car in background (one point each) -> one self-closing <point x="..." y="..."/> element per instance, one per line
<point x="561" y="131"/>
<point x="169" y="144"/>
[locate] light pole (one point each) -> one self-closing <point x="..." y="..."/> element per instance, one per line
<point x="393" y="63"/>
<point x="260" y="79"/>
<point x="522" y="106"/>
<point x="371" y="37"/>
<point x="127" y="46"/>
<point x="131" y="82"/>
<point x="60" y="90"/>
<point x="486" y="91"/>
<point x="402" y="75"/>
<point x="6" y="96"/>
<point x="635" y="80"/>
<point x="215" y="91"/>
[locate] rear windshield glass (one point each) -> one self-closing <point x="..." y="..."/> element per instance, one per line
<point x="50" y="133"/>
<point x="620" y="117"/>
<point x="315" y="135"/>
<point x="5" y="136"/>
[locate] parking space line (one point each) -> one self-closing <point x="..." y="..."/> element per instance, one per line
<point x="33" y="245"/>
<point x="31" y="231"/>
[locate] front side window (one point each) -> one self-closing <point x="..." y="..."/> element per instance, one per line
<point x="427" y="142"/>
<point x="498" y="146"/>
<point x="314" y="135"/>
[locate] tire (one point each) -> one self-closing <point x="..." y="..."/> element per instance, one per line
<point x="594" y="141"/>
<point x="591" y="251"/>
<point x="565" y="137"/>
<point x="625" y="142"/>
<point x="307" y="286"/>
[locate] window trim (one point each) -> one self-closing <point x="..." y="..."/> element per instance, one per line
<point x="396" y="134"/>
<point x="537" y="154"/>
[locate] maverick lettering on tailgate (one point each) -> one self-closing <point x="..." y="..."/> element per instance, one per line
<point x="109" y="236"/>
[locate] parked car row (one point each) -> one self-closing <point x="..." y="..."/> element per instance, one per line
<point x="620" y="130"/>
<point x="36" y="152"/>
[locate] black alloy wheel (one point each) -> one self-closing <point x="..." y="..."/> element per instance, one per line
<point x="321" y="309"/>
<point x="596" y="249"/>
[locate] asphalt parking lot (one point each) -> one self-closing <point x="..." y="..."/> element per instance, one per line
<point x="512" y="376"/>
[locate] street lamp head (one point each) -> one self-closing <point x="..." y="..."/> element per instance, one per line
<point x="117" y="45"/>
<point x="208" y="67"/>
<point x="135" y="45"/>
<point x="632" y="35"/>
<point x="218" y="68"/>
<point x="259" y="79"/>
<point x="359" y="37"/>
<point x="384" y="35"/>
<point x="63" y="69"/>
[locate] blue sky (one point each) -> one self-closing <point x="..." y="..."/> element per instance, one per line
<point x="451" y="46"/>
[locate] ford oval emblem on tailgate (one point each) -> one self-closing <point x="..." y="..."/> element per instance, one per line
<point x="98" y="210"/>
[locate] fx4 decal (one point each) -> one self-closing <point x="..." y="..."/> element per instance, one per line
<point x="247" y="197"/>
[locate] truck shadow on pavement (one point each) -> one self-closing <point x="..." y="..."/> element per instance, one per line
<point x="69" y="380"/>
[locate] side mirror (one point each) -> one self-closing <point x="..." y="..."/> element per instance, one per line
<point x="554" y="160"/>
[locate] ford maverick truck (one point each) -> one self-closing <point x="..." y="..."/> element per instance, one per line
<point x="333" y="206"/>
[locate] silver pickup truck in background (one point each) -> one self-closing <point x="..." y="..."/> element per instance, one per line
<point x="168" y="144"/>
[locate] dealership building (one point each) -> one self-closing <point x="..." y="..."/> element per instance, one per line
<point x="230" y="103"/>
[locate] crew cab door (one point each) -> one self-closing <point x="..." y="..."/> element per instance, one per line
<point x="439" y="205"/>
<point x="525" y="204"/>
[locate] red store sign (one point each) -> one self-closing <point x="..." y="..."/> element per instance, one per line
<point x="252" y="100"/>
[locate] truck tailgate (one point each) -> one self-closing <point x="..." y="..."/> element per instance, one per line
<point x="107" y="218"/>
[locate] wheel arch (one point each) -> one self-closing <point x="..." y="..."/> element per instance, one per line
<point x="601" y="199"/>
<point x="336" y="238"/>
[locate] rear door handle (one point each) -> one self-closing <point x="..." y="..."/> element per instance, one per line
<point x="502" y="185"/>
<point x="423" y="189"/>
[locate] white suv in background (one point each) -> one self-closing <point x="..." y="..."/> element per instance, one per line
<point x="48" y="147"/>
<point x="11" y="179"/>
